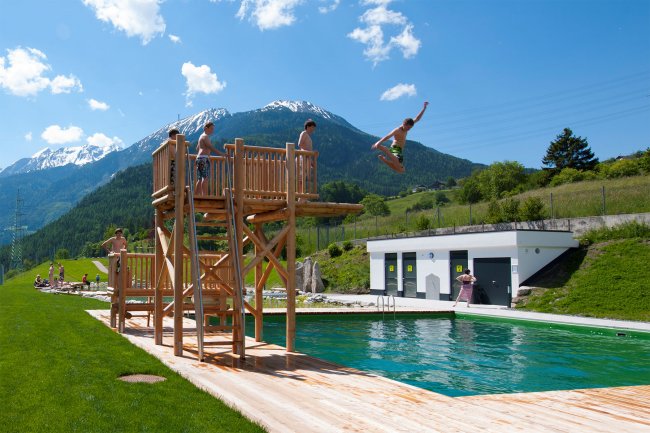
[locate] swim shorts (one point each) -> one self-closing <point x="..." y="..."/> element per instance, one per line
<point x="397" y="151"/>
<point x="202" y="167"/>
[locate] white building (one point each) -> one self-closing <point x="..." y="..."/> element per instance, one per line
<point x="427" y="267"/>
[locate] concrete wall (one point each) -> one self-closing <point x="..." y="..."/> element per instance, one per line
<point x="576" y="225"/>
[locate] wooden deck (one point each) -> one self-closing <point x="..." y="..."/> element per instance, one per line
<point x="297" y="393"/>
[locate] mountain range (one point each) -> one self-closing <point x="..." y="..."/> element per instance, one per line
<point x="48" y="192"/>
<point x="48" y="158"/>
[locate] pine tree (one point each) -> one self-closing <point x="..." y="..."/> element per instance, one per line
<point x="569" y="151"/>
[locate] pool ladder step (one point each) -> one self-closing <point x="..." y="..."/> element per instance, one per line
<point x="383" y="302"/>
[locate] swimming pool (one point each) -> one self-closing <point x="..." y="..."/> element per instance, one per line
<point x="459" y="356"/>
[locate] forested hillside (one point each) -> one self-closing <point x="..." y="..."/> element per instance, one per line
<point x="123" y="202"/>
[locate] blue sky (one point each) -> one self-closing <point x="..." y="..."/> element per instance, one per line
<point x="503" y="77"/>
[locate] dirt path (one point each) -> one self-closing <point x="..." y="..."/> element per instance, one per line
<point x="100" y="266"/>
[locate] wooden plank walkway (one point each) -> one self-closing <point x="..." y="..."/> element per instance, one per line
<point x="297" y="393"/>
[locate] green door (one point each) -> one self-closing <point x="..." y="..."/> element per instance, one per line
<point x="457" y="264"/>
<point x="409" y="275"/>
<point x="390" y="274"/>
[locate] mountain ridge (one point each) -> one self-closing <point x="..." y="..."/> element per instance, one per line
<point x="344" y="154"/>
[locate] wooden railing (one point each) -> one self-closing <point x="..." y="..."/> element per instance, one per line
<point x="136" y="280"/>
<point x="264" y="172"/>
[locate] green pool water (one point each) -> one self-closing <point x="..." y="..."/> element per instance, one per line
<point x="459" y="356"/>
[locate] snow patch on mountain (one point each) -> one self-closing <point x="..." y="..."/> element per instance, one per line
<point x="191" y="125"/>
<point x="48" y="158"/>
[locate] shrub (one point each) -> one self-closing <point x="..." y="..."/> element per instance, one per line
<point x="494" y="215"/>
<point x="623" y="168"/>
<point x="627" y="230"/>
<point x="422" y="222"/>
<point x="510" y="209"/>
<point x="532" y="209"/>
<point x="334" y="250"/>
<point x="347" y="246"/>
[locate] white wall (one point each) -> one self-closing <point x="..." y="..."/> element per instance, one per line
<point x="433" y="274"/>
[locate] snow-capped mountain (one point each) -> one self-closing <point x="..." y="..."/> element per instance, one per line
<point x="189" y="126"/>
<point x="48" y="158"/>
<point x="307" y="108"/>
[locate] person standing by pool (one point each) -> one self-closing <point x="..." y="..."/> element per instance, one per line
<point x="466" y="289"/>
<point x="51" y="275"/>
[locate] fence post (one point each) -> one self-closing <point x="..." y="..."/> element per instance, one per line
<point x="552" y="210"/>
<point x="470" y="214"/>
<point x="438" y="216"/>
<point x="318" y="238"/>
<point x="603" y="194"/>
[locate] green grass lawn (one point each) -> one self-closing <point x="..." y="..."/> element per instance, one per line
<point x="609" y="283"/>
<point x="59" y="370"/>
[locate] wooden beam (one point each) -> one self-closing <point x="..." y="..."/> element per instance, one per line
<point x="291" y="248"/>
<point x="179" y="216"/>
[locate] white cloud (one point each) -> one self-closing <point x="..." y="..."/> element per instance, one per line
<point x="134" y="17"/>
<point x="94" y="104"/>
<point x="54" y="134"/>
<point x="62" y="84"/>
<point x="200" y="79"/>
<point x="329" y="8"/>
<point x="408" y="43"/>
<point x="102" y="140"/>
<point x="28" y="136"/>
<point x="175" y="39"/>
<point x="22" y="73"/>
<point x="269" y="14"/>
<point x="376" y="20"/>
<point x="398" y="91"/>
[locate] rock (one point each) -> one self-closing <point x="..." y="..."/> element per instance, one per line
<point x="300" y="282"/>
<point x="524" y="291"/>
<point x="316" y="280"/>
<point x="307" y="272"/>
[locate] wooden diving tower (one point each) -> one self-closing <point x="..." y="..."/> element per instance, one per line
<point x="248" y="188"/>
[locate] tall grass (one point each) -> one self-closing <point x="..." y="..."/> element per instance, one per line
<point x="623" y="195"/>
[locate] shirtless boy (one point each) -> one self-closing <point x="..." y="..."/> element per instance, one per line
<point x="116" y="243"/>
<point x="304" y="142"/>
<point x="394" y="155"/>
<point x="203" y="149"/>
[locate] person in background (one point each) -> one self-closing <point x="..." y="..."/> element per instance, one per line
<point x="51" y="274"/>
<point x="61" y="274"/>
<point x="84" y="280"/>
<point x="115" y="244"/>
<point x="467" y="281"/>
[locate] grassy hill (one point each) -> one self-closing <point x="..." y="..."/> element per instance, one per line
<point x="603" y="278"/>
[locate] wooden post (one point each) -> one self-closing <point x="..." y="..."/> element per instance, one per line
<point x="179" y="202"/>
<point x="259" y="294"/>
<point x="238" y="182"/>
<point x="122" y="283"/>
<point x="158" y="272"/>
<point x="291" y="248"/>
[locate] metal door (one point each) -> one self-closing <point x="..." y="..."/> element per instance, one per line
<point x="409" y="275"/>
<point x="390" y="273"/>
<point x="493" y="281"/>
<point x="457" y="264"/>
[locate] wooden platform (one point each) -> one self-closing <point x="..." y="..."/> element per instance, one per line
<point x="297" y="393"/>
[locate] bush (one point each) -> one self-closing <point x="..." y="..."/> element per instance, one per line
<point x="334" y="250"/>
<point x="532" y="209"/>
<point x="622" y="168"/>
<point x="570" y="175"/>
<point x="510" y="209"/>
<point x="422" y="222"/>
<point x="347" y="246"/>
<point x="494" y="215"/>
